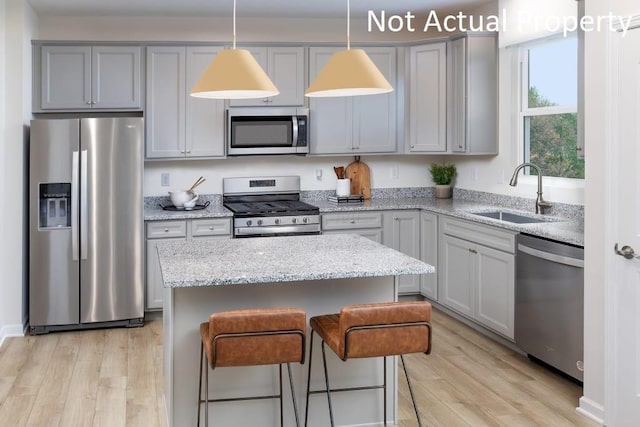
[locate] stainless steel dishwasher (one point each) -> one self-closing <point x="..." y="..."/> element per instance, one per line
<point x="549" y="305"/>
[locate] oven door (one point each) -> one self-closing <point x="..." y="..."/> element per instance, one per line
<point x="280" y="230"/>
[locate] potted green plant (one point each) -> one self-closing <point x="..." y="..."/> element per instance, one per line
<point x="442" y="175"/>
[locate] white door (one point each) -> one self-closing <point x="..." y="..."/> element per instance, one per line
<point x="622" y="392"/>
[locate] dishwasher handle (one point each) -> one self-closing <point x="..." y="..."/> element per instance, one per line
<point x="565" y="260"/>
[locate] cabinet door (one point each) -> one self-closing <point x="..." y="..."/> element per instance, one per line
<point x="495" y="290"/>
<point x="427" y="98"/>
<point x="65" y="77"/>
<point x="165" y="109"/>
<point x="457" y="95"/>
<point x="457" y="267"/>
<point x="115" y="77"/>
<point x="404" y="236"/>
<point x="374" y="116"/>
<point x="285" y="67"/>
<point x="204" y="121"/>
<point x="155" y="286"/>
<point x="429" y="253"/>
<point x="330" y="118"/>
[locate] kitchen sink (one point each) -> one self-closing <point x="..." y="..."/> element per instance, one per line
<point x="510" y="217"/>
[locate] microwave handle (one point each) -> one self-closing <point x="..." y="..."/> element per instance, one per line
<point x="295" y="130"/>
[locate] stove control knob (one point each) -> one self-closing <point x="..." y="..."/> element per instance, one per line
<point x="277" y="221"/>
<point x="259" y="222"/>
<point x="294" y="220"/>
<point x="305" y="219"/>
<point x="249" y="223"/>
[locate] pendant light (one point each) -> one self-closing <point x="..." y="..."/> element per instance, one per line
<point x="234" y="74"/>
<point x="348" y="73"/>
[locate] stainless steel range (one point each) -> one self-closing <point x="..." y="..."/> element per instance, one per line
<point x="269" y="206"/>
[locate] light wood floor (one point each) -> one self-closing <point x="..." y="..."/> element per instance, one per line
<point x="113" y="377"/>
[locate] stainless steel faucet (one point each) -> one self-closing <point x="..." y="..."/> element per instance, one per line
<point x="541" y="205"/>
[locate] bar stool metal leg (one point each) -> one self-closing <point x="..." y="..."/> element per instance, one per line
<point x="293" y="396"/>
<point x="200" y="382"/>
<point x="326" y="381"/>
<point x="384" y="389"/>
<point x="413" y="400"/>
<point x="306" y="406"/>
<point x="206" y="397"/>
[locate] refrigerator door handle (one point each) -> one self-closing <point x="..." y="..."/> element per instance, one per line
<point x="84" y="231"/>
<point x="74" y="205"/>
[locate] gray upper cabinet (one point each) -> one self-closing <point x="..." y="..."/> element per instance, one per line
<point x="354" y="125"/>
<point x="178" y="125"/>
<point x="88" y="77"/>
<point x="427" y="94"/>
<point x="472" y="114"/>
<point x="285" y="68"/>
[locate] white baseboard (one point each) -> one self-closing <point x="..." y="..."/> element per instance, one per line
<point x="592" y="410"/>
<point x="10" y="331"/>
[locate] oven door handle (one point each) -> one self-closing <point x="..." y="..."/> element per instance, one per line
<point x="573" y="262"/>
<point x="248" y="231"/>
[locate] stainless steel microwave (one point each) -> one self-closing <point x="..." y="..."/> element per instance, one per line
<point x="270" y="130"/>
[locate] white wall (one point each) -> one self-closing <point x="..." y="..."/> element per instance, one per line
<point x="4" y="292"/>
<point x="413" y="171"/>
<point x="19" y="22"/>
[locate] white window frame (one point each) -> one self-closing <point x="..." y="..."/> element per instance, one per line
<point x="525" y="111"/>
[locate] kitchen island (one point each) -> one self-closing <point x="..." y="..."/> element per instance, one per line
<point x="319" y="274"/>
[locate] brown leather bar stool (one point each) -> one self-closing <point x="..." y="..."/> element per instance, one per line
<point x="372" y="330"/>
<point x="252" y="337"/>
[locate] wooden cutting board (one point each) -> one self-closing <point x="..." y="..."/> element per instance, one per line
<point x="360" y="177"/>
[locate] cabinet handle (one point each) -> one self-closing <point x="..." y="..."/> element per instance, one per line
<point x="166" y="230"/>
<point x="211" y="227"/>
<point x="579" y="148"/>
<point x="413" y="146"/>
<point x="353" y="221"/>
<point x="395" y="218"/>
<point x="188" y="151"/>
<point x="473" y="251"/>
<point x="88" y="102"/>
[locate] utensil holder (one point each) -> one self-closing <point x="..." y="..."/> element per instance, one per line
<point x="343" y="188"/>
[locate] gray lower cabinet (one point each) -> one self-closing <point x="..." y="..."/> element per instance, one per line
<point x="429" y="253"/>
<point x="477" y="272"/>
<point x="179" y="125"/>
<point x="366" y="224"/>
<point x="179" y="230"/>
<point x="402" y="233"/>
<point x="82" y="77"/>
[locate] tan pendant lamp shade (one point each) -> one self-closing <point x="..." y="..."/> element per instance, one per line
<point x="234" y="74"/>
<point x="349" y="73"/>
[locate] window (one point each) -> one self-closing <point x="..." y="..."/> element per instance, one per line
<point x="549" y="107"/>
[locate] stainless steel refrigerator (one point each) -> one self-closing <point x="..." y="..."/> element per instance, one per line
<point x="86" y="223"/>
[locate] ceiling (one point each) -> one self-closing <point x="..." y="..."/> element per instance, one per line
<point x="252" y="8"/>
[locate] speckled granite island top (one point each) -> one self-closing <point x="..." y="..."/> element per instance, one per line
<point x="280" y="259"/>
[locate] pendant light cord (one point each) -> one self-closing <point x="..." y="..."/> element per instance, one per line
<point x="234" y="24"/>
<point x="348" y="24"/>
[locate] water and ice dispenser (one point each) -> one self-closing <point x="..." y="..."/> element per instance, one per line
<point x="55" y="205"/>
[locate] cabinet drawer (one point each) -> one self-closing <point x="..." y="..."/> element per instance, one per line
<point x="346" y="221"/>
<point x="164" y="229"/>
<point x="211" y="227"/>
<point x="493" y="237"/>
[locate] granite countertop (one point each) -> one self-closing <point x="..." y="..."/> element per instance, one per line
<point x="280" y="259"/>
<point x="559" y="228"/>
<point x="154" y="212"/>
<point x="563" y="225"/>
